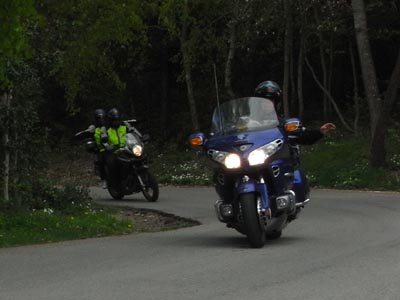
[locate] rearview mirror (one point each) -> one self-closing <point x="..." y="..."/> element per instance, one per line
<point x="145" y="138"/>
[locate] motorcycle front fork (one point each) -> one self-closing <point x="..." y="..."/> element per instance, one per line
<point x="225" y="209"/>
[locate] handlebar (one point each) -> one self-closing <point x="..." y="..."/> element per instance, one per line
<point x="85" y="133"/>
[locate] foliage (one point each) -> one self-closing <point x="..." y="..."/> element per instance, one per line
<point x="38" y="194"/>
<point x="14" y="45"/>
<point x="23" y="113"/>
<point x="90" y="38"/>
<point x="342" y="162"/>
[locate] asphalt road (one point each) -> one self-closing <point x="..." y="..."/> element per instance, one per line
<point x="345" y="245"/>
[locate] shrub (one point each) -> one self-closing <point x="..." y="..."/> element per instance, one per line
<point x="38" y="194"/>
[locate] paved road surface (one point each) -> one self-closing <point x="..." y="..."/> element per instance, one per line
<point x="346" y="245"/>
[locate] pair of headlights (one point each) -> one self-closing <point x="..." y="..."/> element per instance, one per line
<point x="256" y="157"/>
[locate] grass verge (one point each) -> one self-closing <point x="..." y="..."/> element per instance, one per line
<point x="343" y="163"/>
<point x="45" y="226"/>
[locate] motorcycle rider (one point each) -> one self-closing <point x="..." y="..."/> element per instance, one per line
<point x="116" y="131"/>
<point x="100" y="136"/>
<point x="271" y="90"/>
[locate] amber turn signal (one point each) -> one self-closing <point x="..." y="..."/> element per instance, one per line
<point x="196" y="141"/>
<point x="291" y="126"/>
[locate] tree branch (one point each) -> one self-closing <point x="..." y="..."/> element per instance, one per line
<point x="328" y="95"/>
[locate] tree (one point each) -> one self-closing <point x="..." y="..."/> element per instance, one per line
<point x="366" y="61"/>
<point x="379" y="108"/>
<point x="288" y="46"/>
<point x="92" y="42"/>
<point x="14" y="48"/>
<point x="178" y="20"/>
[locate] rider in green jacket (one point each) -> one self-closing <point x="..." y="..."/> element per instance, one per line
<point x="116" y="130"/>
<point x="115" y="139"/>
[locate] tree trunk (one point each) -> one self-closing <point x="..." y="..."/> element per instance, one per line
<point x="164" y="93"/>
<point x="377" y="112"/>
<point x="366" y="63"/>
<point x="323" y="64"/>
<point x="293" y="94"/>
<point x="356" y="96"/>
<point x="330" y="73"/>
<point x="300" y="65"/>
<point x="378" y="150"/>
<point x="5" y="103"/>
<point x="15" y="160"/>
<point x="188" y="73"/>
<point x="333" y="102"/>
<point x="392" y="90"/>
<point x="232" y="48"/>
<point x="287" y="51"/>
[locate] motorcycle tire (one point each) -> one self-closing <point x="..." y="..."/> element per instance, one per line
<point x="151" y="191"/>
<point x="115" y="193"/>
<point x="254" y="231"/>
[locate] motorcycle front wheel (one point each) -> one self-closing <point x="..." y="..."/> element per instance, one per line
<point x="115" y="193"/>
<point x="150" y="190"/>
<point x="254" y="231"/>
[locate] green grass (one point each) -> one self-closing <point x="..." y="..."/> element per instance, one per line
<point x="44" y="226"/>
<point x="343" y="163"/>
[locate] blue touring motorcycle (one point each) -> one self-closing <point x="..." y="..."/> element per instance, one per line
<point x="255" y="167"/>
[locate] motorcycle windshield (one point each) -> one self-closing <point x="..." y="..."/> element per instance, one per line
<point x="131" y="140"/>
<point x="244" y="114"/>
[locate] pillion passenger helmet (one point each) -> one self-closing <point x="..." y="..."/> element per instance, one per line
<point x="270" y="90"/>
<point x="99" y="117"/>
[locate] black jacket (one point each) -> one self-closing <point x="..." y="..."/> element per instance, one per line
<point x="309" y="136"/>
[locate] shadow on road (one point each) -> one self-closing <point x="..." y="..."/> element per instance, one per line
<point x="229" y="241"/>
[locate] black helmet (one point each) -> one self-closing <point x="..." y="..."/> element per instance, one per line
<point x="113" y="114"/>
<point x="113" y="117"/>
<point x="99" y="117"/>
<point x="268" y="89"/>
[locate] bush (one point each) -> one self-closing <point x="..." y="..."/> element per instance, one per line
<point x="38" y="194"/>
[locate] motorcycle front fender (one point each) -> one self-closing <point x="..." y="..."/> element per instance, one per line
<point x="254" y="186"/>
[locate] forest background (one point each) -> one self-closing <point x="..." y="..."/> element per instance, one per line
<point x="162" y="62"/>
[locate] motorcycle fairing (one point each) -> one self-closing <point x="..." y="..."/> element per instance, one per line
<point x="254" y="139"/>
<point x="300" y="186"/>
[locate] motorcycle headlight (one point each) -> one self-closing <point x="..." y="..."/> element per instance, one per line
<point x="230" y="160"/>
<point x="258" y="156"/>
<point x="137" y="150"/>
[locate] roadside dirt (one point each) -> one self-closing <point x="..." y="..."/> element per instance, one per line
<point x="146" y="220"/>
